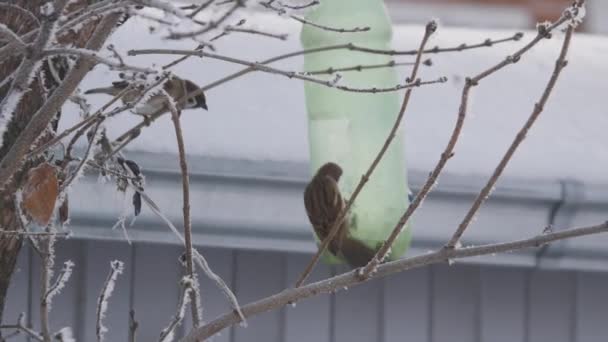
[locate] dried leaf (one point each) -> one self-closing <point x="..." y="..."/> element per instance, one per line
<point x="137" y="203"/>
<point x="64" y="211"/>
<point x="40" y="193"/>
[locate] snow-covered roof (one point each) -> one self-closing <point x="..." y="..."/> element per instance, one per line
<point x="250" y="150"/>
<point x="263" y="117"/>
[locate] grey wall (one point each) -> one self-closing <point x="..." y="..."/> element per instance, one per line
<point x="439" y="303"/>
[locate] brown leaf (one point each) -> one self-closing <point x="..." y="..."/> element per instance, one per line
<point x="40" y="193"/>
<point x="64" y="211"/>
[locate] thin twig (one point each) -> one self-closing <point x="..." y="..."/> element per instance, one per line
<point x="300" y="7"/>
<point x="26" y="234"/>
<point x="116" y="268"/>
<point x="31" y="333"/>
<point x="186" y="206"/>
<point x="10" y="36"/>
<point x="31" y="16"/>
<point x="280" y="11"/>
<point x="133" y="325"/>
<point x="45" y="273"/>
<point x="560" y="64"/>
<point x="129" y="135"/>
<point x="361" y="67"/>
<point x="94" y="55"/>
<point x="449" y="149"/>
<point x="210" y="26"/>
<point x="280" y="36"/>
<point x="288" y="74"/>
<point x="198" y="257"/>
<point x="186" y="292"/>
<point x="85" y="122"/>
<point x="431" y="27"/>
<point x="200" y="8"/>
<point x="352" y="278"/>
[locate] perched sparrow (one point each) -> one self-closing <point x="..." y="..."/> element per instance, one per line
<point x="175" y="87"/>
<point x="324" y="203"/>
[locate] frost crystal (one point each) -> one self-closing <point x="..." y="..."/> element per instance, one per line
<point x="47" y="9"/>
<point x="65" y="335"/>
<point x="117" y="268"/>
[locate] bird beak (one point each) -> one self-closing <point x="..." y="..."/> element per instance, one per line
<point x="204" y="106"/>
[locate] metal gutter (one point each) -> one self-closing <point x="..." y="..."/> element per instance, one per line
<point x="219" y="184"/>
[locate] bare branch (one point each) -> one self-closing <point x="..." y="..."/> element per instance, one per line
<point x="133" y="325"/>
<point x="431" y="27"/>
<point x="560" y="64"/>
<point x="360" y="67"/>
<point x="129" y="135"/>
<point x="11" y="36"/>
<point x="352" y="278"/>
<point x="281" y="11"/>
<point x="198" y="258"/>
<point x="300" y="7"/>
<point x="288" y="74"/>
<point x="210" y="26"/>
<point x="26" y="234"/>
<point x="449" y="149"/>
<point x="200" y="8"/>
<point x="196" y="320"/>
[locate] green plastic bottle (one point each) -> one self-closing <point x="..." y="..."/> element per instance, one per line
<point x="350" y="128"/>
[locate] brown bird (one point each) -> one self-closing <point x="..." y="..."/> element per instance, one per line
<point x="324" y="203"/>
<point x="175" y="87"/>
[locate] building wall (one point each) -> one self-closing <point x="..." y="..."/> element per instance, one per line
<point x="438" y="303"/>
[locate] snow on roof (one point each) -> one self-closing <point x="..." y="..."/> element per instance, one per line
<point x="263" y="117"/>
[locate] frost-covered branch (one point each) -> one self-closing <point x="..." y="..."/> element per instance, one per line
<point x="21" y="326"/>
<point x="41" y="119"/>
<point x="116" y="269"/>
<point x="31" y="63"/>
<point x="46" y="272"/>
<point x="10" y="36"/>
<point x="198" y="258"/>
<point x="185" y="297"/>
<point x="60" y="282"/>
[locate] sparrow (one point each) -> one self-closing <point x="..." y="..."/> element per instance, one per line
<point x="175" y="87"/>
<point x="323" y="202"/>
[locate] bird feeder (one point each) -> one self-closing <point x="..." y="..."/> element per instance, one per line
<point x="349" y="128"/>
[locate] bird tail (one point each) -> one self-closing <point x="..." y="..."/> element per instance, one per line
<point x="105" y="90"/>
<point x="356" y="253"/>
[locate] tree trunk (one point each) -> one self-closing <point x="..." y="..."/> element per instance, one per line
<point x="13" y="14"/>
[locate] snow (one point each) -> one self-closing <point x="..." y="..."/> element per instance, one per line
<point x="263" y="117"/>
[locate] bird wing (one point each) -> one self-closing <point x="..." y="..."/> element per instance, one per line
<point x="324" y="203"/>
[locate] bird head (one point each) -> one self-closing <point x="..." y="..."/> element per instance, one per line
<point x="198" y="101"/>
<point x="330" y="169"/>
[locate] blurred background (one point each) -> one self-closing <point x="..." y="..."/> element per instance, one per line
<point x="493" y="13"/>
